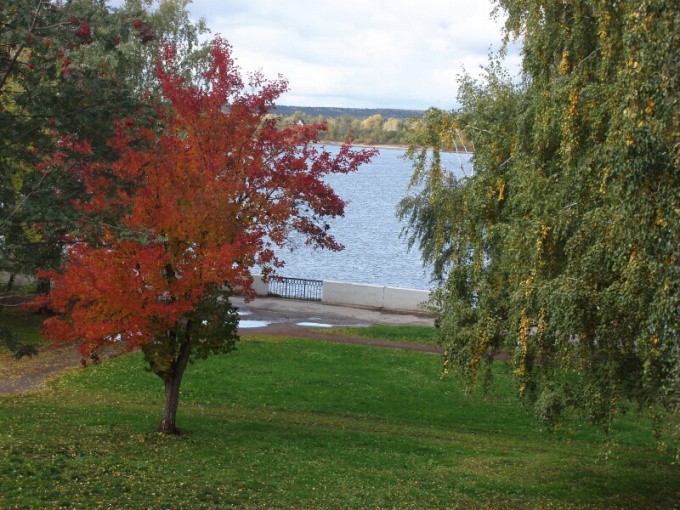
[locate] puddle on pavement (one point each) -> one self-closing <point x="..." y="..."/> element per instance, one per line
<point x="244" y="312"/>
<point x="252" y="324"/>
<point x="261" y="324"/>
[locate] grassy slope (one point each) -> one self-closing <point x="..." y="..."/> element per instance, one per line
<point x="24" y="326"/>
<point x="304" y="424"/>
<point x="422" y="335"/>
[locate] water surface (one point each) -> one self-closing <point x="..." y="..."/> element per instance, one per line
<point x="374" y="252"/>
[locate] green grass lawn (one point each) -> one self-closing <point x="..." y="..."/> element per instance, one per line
<point x="24" y="326"/>
<point x="287" y="423"/>
<point x="422" y="335"/>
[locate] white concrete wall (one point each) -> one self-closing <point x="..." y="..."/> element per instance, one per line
<point x="362" y="294"/>
<point x="259" y="286"/>
<point x="404" y="299"/>
<point x="373" y="296"/>
<point x="354" y="294"/>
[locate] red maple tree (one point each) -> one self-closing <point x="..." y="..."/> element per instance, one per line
<point x="200" y="194"/>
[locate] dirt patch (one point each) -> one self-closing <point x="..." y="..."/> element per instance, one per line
<point x="29" y="374"/>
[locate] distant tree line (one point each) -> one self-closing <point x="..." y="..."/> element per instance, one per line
<point x="372" y="130"/>
<point x="359" y="113"/>
<point x="367" y="126"/>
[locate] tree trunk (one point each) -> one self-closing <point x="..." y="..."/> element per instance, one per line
<point x="172" y="385"/>
<point x="10" y="283"/>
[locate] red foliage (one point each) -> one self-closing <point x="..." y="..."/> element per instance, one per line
<point x="197" y="205"/>
<point x="83" y="30"/>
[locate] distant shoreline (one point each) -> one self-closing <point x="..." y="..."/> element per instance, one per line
<point x="384" y="146"/>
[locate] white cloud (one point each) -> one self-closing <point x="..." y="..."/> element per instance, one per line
<point x="358" y="53"/>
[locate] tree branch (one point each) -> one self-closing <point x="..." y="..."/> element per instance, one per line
<point x="21" y="47"/>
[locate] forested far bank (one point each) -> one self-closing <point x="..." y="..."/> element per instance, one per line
<point x="370" y="126"/>
<point x="359" y="113"/>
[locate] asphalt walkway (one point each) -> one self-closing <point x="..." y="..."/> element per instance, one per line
<point x="268" y="312"/>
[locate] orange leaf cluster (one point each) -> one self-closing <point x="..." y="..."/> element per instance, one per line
<point x="198" y="202"/>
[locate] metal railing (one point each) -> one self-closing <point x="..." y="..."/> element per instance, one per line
<point x="296" y="288"/>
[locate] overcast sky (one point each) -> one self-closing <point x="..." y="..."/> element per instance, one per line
<point x="359" y="53"/>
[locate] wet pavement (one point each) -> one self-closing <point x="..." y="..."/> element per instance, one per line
<point x="275" y="313"/>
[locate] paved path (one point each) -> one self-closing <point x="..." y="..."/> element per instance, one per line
<point x="267" y="312"/>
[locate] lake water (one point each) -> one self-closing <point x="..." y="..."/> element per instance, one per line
<point x="374" y="253"/>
